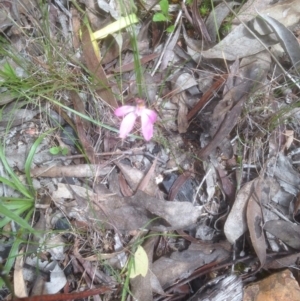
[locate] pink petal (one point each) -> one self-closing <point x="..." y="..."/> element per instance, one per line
<point x="147" y="125"/>
<point x="124" y="110"/>
<point x="151" y="115"/>
<point x="127" y="124"/>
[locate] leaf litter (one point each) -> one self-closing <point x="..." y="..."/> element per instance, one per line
<point x="215" y="186"/>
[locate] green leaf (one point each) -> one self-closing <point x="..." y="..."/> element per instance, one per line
<point x="18" y="211"/>
<point x="159" y="17"/>
<point x="164" y="6"/>
<point x="170" y="28"/>
<point x="8" y="71"/>
<point x="141" y="263"/>
<point x="64" y="151"/>
<point x="8" y="183"/>
<point x="54" y="150"/>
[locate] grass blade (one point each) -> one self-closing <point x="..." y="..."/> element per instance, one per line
<point x="16" y="218"/>
<point x="19" y="185"/>
<point x="30" y="158"/>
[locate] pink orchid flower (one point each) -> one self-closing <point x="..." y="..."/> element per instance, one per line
<point x="148" y="118"/>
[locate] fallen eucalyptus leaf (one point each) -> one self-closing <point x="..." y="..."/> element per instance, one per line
<point x="286" y="39"/>
<point x="286" y="231"/>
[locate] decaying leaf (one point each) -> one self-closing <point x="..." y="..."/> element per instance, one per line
<point x="285" y="174"/>
<point x="144" y="211"/>
<point x="181" y="264"/>
<point x="97" y="70"/>
<point x="286" y="38"/>
<point x="255" y="223"/>
<point x="286" y="231"/>
<point x="253" y="71"/>
<point x="237" y="44"/>
<point x="283" y="262"/>
<point x="236" y="223"/>
<point x="134" y="178"/>
<point x="241" y="43"/>
<point x="285" y="12"/>
<point x="42" y="286"/>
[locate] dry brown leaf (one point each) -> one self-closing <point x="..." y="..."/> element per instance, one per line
<point x="206" y="97"/>
<point x="182" y="122"/>
<point x="286" y="231"/>
<point x="20" y="288"/>
<point x="241" y="43"/>
<point x="225" y="128"/>
<point x="180" y="264"/>
<point x="236" y="223"/>
<point x="96" y="69"/>
<point x="124" y="188"/>
<point x="199" y="25"/>
<point x="253" y="71"/>
<point x="134" y="177"/>
<point x="255" y="223"/>
<point x="148" y="177"/>
<point x="82" y="127"/>
<point x="289" y="136"/>
<point x="286" y="12"/>
<point x="131" y="213"/>
<point x="283" y="262"/>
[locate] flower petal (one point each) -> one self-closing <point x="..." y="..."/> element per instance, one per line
<point x="151" y="114"/>
<point x="127" y="124"/>
<point x="147" y="125"/>
<point x="124" y="110"/>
